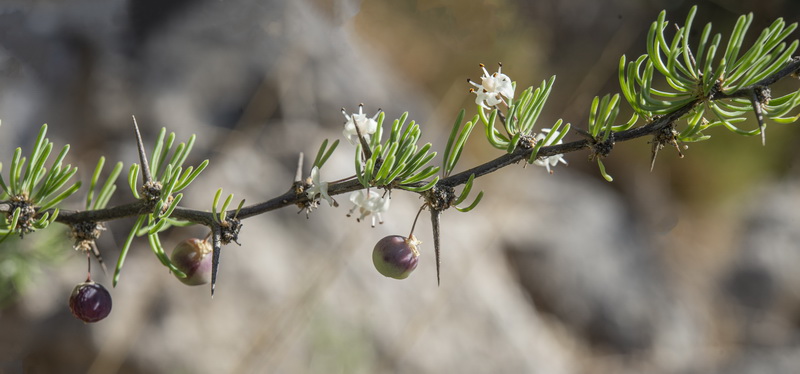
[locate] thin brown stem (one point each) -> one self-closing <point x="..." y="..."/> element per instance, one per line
<point x="349" y="184"/>
<point x="88" y="267"/>
<point x="413" y="225"/>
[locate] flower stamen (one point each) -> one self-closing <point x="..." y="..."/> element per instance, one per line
<point x="494" y="88"/>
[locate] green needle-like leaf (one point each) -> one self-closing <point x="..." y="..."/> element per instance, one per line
<point x="172" y="206"/>
<point x="162" y="157"/>
<point x="452" y="159"/>
<point x="473" y="205"/>
<point x="420" y="160"/>
<point x="603" y="172"/>
<point x="159" y="226"/>
<point x="322" y="155"/>
<point x="3" y="184"/>
<point x="133" y="176"/>
<point x="215" y="203"/>
<point x="453" y="134"/>
<point x="182" y="152"/>
<point x="158" y="250"/>
<point x="157" y="152"/>
<point x="185" y="182"/>
<point x="512" y="144"/>
<point x="496" y="139"/>
<point x="386" y="167"/>
<point x="466" y="190"/>
<point x="369" y="168"/>
<point x="108" y="188"/>
<point x="426" y="187"/>
<point x="396" y="126"/>
<point x="14" y="172"/>
<point x="37" y="154"/>
<point x="58" y="199"/>
<point x="42" y="222"/>
<point x="15" y="219"/>
<point x="594" y="127"/>
<point x="171" y="181"/>
<point x="223" y="212"/>
<point x="93" y="183"/>
<point x="425" y="174"/>
<point x="37" y="170"/>
<point x="125" y="247"/>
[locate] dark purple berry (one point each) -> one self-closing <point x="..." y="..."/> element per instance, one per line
<point x="193" y="258"/>
<point x="396" y="256"/>
<point x="90" y="302"/>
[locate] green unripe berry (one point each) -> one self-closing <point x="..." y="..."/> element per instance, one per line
<point x="193" y="258"/>
<point x="396" y="256"/>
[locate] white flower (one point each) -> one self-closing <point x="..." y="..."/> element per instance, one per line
<point x="369" y="204"/>
<point x="550" y="161"/>
<point x="318" y="188"/>
<point x="366" y="126"/>
<point x="493" y="88"/>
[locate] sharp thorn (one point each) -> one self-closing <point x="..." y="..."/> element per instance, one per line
<point x="215" y="259"/>
<point x="435" y="215"/>
<point x="146" y="176"/>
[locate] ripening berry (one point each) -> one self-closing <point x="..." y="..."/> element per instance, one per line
<point x="90" y="302"/>
<point x="193" y="258"/>
<point x="396" y="256"/>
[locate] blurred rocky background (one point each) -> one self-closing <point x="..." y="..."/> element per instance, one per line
<point x="688" y="269"/>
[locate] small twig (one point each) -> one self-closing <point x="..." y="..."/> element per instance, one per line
<point x="88" y="268"/>
<point x="414" y="225"/>
<point x="343" y="179"/>
<point x="96" y="253"/>
<point x="298" y="176"/>
<point x="364" y="145"/>
<point x="502" y="118"/>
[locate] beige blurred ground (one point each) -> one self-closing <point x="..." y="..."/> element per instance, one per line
<point x="688" y="269"/>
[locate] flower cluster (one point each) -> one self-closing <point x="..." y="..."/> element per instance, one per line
<point x="550" y="161"/>
<point x="369" y="203"/>
<point x="318" y="189"/>
<point x="493" y="88"/>
<point x="359" y="123"/>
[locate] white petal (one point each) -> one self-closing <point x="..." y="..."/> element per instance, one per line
<point x="357" y="197"/>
